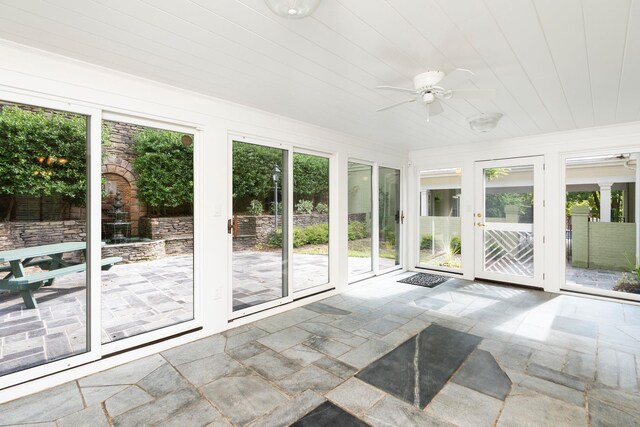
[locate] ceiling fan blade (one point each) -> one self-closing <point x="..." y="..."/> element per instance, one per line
<point x="474" y="93"/>
<point x="395" y="105"/>
<point x="435" y="108"/>
<point x="399" y="89"/>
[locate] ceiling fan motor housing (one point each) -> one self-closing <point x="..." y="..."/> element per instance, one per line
<point x="427" y="79"/>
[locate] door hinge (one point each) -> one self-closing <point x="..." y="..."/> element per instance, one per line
<point x="543" y="239"/>
<point x="544" y="166"/>
<point x="401" y="217"/>
<point x="229" y="226"/>
<point x="542" y="276"/>
<point x="544" y="203"/>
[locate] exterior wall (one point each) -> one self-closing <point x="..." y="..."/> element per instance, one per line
<point x="606" y="245"/>
<point x="442" y="228"/>
<point x="14" y="235"/>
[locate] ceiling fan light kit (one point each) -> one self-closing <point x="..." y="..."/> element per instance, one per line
<point x="484" y="122"/>
<point x="427" y="92"/>
<point x="293" y="9"/>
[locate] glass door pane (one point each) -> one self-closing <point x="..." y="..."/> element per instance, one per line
<point x="505" y="220"/>
<point x="147" y="229"/>
<point x="360" y="224"/>
<point x="259" y="225"/>
<point x="43" y="232"/>
<point x="310" y="221"/>
<point x="388" y="218"/>
<point x="601" y="238"/>
<point x="440" y="239"/>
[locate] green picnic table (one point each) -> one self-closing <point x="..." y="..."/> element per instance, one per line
<point x="50" y="260"/>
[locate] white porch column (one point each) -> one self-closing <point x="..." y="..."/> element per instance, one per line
<point x="605" y="201"/>
<point x="636" y="219"/>
<point x="424" y="209"/>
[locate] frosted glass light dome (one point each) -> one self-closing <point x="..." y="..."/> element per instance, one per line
<point x="484" y="122"/>
<point x="294" y="9"/>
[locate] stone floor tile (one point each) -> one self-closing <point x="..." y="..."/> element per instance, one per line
<point x="129" y="398"/>
<point x="245" y="337"/>
<point x="243" y="399"/>
<point x="129" y="373"/>
<point x="44" y="406"/>
<point x="200" y="413"/>
<point x="158" y="410"/>
<point x="284" y="339"/>
<point x="324" y="330"/>
<point x="603" y="414"/>
<point x="94" y="395"/>
<point x="247" y="350"/>
<point x="203" y="371"/>
<point x="327" y="346"/>
<point x="550" y="360"/>
<point x="196" y="350"/>
<point x="163" y="381"/>
<point x="272" y="365"/>
<point x="309" y="378"/>
<point x="536" y="409"/>
<point x="368" y="352"/>
<point x="302" y="354"/>
<point x="463" y="407"/>
<point x="556" y="376"/>
<point x="322" y="308"/>
<point x="382" y="326"/>
<point x="336" y="367"/>
<point x="522" y="383"/>
<point x="580" y="365"/>
<point x="628" y="402"/>
<point x="355" y="396"/>
<point x="92" y="416"/>
<point x="329" y="415"/>
<point x="284" y="320"/>
<point x="291" y="411"/>
<point x="393" y="412"/>
<point x="481" y="372"/>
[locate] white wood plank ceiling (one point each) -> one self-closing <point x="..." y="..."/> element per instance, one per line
<point x="556" y="65"/>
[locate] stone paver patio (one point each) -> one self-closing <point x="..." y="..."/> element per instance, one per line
<point x="592" y="278"/>
<point x="562" y="361"/>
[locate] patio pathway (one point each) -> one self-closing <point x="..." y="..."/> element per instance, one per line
<point x="534" y="359"/>
<point x="592" y="278"/>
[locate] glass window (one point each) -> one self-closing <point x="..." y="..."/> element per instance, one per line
<point x="360" y="224"/>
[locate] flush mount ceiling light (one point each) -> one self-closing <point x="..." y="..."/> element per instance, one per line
<point x="294" y="9"/>
<point x="484" y="122"/>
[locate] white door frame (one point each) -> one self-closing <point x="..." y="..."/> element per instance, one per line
<point x="537" y="280"/>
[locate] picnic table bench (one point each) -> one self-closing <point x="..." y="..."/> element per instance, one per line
<point x="50" y="260"/>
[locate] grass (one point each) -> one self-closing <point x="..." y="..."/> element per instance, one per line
<point x="357" y="248"/>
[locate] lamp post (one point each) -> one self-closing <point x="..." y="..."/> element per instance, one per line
<point x="275" y="173"/>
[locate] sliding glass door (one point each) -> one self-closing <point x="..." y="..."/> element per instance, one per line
<point x="374" y="220"/>
<point x="280" y="225"/>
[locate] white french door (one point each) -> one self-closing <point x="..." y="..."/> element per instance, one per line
<point x="508" y="220"/>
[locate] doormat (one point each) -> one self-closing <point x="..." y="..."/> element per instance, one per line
<point x="425" y="279"/>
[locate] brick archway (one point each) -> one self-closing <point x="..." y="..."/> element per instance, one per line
<point x="120" y="172"/>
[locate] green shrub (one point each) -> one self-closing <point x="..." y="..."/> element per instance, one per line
<point x="322" y="208"/>
<point x="317" y="234"/>
<point x="255" y="208"/>
<point x="304" y="206"/>
<point x="426" y="242"/>
<point x="455" y="245"/>
<point x="389" y="234"/>
<point x="165" y="169"/>
<point x="26" y="136"/>
<point x="273" y="206"/>
<point x="358" y="230"/>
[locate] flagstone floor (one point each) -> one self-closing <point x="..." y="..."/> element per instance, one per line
<point x="384" y="354"/>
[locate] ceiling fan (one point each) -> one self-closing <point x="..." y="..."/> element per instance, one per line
<point x="428" y="93"/>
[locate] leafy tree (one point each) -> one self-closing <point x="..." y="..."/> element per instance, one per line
<point x="165" y="169"/>
<point x="253" y="169"/>
<point x="44" y="153"/>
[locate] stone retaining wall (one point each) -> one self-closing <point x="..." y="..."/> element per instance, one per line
<point x="166" y="227"/>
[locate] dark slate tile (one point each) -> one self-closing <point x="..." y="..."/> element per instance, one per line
<point x="482" y="373"/>
<point x="328" y="415"/>
<point x="574" y="326"/>
<point x="432" y="356"/>
<point x="321" y="308"/>
<point x="556" y="376"/>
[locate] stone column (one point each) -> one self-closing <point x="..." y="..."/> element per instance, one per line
<point x="580" y="236"/>
<point x="605" y="201"/>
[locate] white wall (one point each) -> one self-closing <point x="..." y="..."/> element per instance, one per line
<point x="29" y="72"/>
<point x="555" y="148"/>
